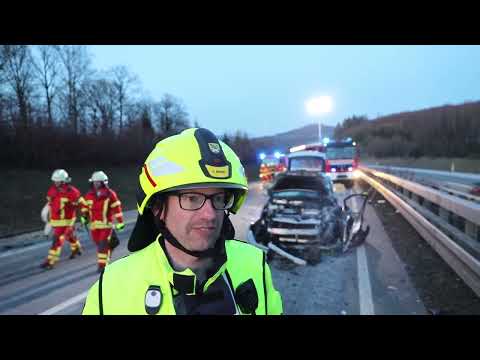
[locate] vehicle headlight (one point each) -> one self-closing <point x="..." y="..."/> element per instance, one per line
<point x="333" y="170"/>
<point x="350" y="168"/>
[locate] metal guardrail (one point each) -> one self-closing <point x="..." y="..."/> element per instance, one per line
<point x="466" y="209"/>
<point x="461" y="175"/>
<point x="462" y="262"/>
<point x="453" y="188"/>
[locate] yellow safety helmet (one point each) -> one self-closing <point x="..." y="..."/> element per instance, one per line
<point x="192" y="159"/>
<point x="195" y="158"/>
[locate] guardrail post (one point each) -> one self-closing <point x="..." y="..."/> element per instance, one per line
<point x="415" y="198"/>
<point x="472" y="230"/>
<point x="426" y="204"/>
<point x="458" y="221"/>
<point x="445" y="215"/>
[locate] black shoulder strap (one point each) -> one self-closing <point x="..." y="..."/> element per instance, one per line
<point x="100" y="299"/>
<point x="264" y="284"/>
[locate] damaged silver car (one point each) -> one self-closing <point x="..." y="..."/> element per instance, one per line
<point x="302" y="213"/>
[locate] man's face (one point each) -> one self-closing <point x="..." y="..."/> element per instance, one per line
<point x="97" y="184"/>
<point x="196" y="230"/>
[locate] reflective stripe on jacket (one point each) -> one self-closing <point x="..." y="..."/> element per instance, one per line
<point x="63" y="203"/>
<point x="102" y="208"/>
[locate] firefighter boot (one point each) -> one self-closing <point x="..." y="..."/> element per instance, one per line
<point x="76" y="251"/>
<point x="46" y="265"/>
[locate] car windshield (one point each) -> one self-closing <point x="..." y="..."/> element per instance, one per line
<point x="306" y="163"/>
<point x="340" y="153"/>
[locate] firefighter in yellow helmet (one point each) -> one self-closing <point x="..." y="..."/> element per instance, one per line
<point x="185" y="259"/>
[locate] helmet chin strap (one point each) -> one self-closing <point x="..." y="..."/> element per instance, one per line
<point x="212" y="252"/>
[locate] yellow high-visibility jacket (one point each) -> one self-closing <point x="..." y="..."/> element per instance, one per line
<point x="145" y="283"/>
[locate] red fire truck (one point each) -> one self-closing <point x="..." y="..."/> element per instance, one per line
<point x="341" y="159"/>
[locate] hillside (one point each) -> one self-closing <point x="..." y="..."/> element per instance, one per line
<point x="283" y="141"/>
<point x="444" y="131"/>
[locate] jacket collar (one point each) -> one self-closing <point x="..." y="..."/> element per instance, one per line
<point x="185" y="281"/>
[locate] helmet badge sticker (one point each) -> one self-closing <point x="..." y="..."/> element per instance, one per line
<point x="153" y="300"/>
<point x="214" y="148"/>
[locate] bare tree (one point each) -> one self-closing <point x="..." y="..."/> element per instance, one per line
<point x="47" y="72"/>
<point x="76" y="63"/>
<point x="3" y="61"/>
<point x="123" y="82"/>
<point x="2" y="80"/>
<point x="171" y="115"/>
<point x="17" y="74"/>
<point x="101" y="99"/>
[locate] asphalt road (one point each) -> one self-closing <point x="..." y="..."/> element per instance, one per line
<point x="368" y="280"/>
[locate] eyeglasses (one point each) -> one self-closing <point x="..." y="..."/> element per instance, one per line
<point x="194" y="201"/>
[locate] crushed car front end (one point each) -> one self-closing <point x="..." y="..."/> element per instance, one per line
<point x="301" y="209"/>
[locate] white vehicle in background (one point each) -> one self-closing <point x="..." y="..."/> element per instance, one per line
<point x="306" y="160"/>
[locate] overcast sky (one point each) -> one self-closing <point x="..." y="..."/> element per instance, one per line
<point x="262" y="89"/>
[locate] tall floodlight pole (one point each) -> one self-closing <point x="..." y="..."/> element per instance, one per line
<point x="319" y="106"/>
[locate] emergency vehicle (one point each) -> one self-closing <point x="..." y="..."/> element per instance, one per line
<point x="341" y="159"/>
<point x="271" y="165"/>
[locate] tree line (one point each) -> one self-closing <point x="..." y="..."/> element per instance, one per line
<point x="445" y="131"/>
<point x="56" y="110"/>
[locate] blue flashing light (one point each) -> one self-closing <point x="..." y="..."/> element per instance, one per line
<point x="326" y="140"/>
<point x="262" y="156"/>
<point x="277" y="154"/>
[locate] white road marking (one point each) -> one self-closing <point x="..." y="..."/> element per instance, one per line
<point x="28" y="248"/>
<point x="72" y="301"/>
<point x="364" y="287"/>
<point x="365" y="297"/>
<point x="50" y="285"/>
